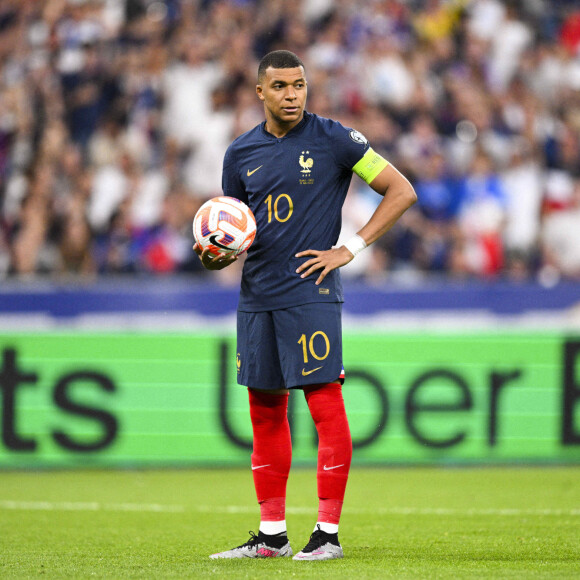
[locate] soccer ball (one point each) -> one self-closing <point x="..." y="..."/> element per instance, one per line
<point x="225" y="225"/>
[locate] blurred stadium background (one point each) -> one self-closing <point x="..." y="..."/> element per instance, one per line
<point x="462" y="325"/>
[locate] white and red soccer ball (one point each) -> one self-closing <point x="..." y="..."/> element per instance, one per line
<point x="225" y="225"/>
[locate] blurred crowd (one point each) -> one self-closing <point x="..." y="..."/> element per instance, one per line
<point x="115" y="116"/>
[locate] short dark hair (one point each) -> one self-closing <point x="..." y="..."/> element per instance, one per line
<point x="278" y="59"/>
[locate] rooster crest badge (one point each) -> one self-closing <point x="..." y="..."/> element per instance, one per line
<point x="306" y="164"/>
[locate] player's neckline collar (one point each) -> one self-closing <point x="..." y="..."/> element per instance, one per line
<point x="293" y="131"/>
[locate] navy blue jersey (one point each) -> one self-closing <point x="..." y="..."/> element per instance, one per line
<point x="296" y="186"/>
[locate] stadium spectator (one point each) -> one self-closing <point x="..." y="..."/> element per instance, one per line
<point x="560" y="234"/>
<point x="437" y="207"/>
<point x="481" y="216"/>
<point x="522" y="182"/>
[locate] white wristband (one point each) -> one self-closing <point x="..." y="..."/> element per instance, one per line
<point x="355" y="245"/>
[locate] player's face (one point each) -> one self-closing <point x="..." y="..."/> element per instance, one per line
<point x="283" y="91"/>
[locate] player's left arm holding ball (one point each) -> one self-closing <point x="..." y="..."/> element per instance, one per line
<point x="232" y="187"/>
<point x="398" y="196"/>
<point x="212" y="262"/>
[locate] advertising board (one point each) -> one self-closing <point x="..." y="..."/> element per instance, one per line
<point x="157" y="399"/>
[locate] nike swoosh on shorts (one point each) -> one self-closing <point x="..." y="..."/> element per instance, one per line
<point x="306" y="373"/>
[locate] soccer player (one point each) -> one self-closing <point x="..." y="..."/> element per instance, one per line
<point x="294" y="171"/>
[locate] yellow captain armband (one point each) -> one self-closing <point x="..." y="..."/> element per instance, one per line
<point x="370" y="165"/>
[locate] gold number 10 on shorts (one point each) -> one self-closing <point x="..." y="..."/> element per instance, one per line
<point x="268" y="202"/>
<point x="310" y="347"/>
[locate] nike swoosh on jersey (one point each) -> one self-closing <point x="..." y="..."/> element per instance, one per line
<point x="253" y="171"/>
<point x="259" y="466"/>
<point x="306" y="373"/>
<point x="333" y="467"/>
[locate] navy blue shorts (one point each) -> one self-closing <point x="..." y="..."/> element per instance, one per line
<point x="290" y="348"/>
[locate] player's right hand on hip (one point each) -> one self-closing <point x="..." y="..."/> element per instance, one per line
<point x="211" y="262"/>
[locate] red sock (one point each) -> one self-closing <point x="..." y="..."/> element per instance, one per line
<point x="272" y="454"/>
<point x="334" y="447"/>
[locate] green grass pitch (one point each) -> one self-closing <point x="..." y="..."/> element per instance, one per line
<point x="397" y="523"/>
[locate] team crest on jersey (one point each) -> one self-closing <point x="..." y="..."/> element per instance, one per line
<point x="358" y="137"/>
<point x="238" y="362"/>
<point x="306" y="164"/>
